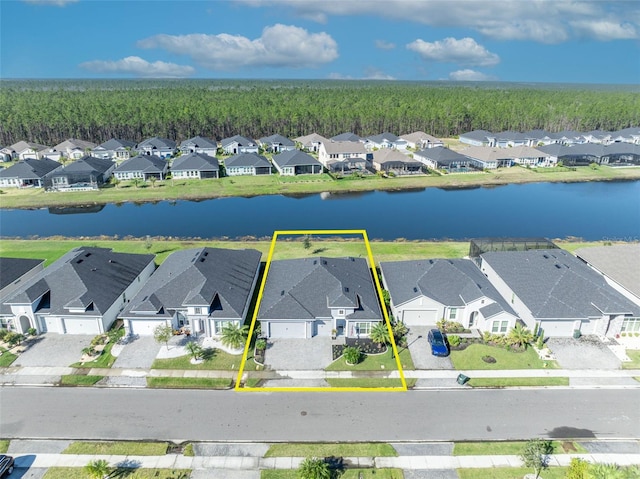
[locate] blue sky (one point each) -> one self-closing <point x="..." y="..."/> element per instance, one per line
<point x="508" y="40"/>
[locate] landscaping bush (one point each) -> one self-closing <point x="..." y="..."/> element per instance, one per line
<point x="454" y="340"/>
<point x="540" y="342"/>
<point x="451" y="327"/>
<point x="14" y="338"/>
<point x="3" y="333"/>
<point x="489" y="359"/>
<point x="352" y="355"/>
<point x="32" y="331"/>
<point x="578" y="469"/>
<point x="261" y="344"/>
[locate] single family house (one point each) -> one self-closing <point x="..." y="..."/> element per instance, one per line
<point x="393" y="161"/>
<point x="238" y="144"/>
<point x="195" y="165"/>
<point x="477" y="138"/>
<point x="27" y="173"/>
<point x="348" y="136"/>
<point x="440" y="158"/>
<point x="421" y="140"/>
<point x="276" y="143"/>
<point x="247" y="164"/>
<point x="311" y="142"/>
<point x="114" y="149"/>
<point x="198" y="144"/>
<point x="24" y="150"/>
<point x="296" y="162"/>
<point x="143" y="167"/>
<point x="73" y="149"/>
<point x="85" y="173"/>
<point x="15" y="272"/>
<point x="160" y="147"/>
<point x="384" y="140"/>
<point x="344" y="156"/>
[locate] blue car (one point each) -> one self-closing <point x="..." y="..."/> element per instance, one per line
<point x="437" y="342"/>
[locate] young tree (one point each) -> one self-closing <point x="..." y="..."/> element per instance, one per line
<point x="234" y="336"/>
<point x="307" y="242"/>
<point x="379" y="333"/>
<point x="98" y="469"/>
<point x="153" y="180"/>
<point x="536" y="455"/>
<point x="314" y="468"/>
<point x="520" y="336"/>
<point x="194" y="350"/>
<point x="163" y="333"/>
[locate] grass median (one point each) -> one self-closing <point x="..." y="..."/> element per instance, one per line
<point x="510" y="473"/>
<point x="347" y="474"/>
<point x="117" y="448"/>
<point x="79" y="380"/>
<point x="517" y="382"/>
<point x="363" y="449"/>
<point x="189" y="383"/>
<point x="119" y="472"/>
<point x="510" y="448"/>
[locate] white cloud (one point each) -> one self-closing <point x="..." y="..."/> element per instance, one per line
<point x="382" y="45"/>
<point x="469" y="75"/>
<point x="369" y="74"/>
<point x="139" y="67"/>
<point x="544" y="21"/>
<point x="54" y="3"/>
<point x="279" y="46"/>
<point x="450" y="50"/>
<point x="605" y="30"/>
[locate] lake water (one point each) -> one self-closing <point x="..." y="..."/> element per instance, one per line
<point x="593" y="211"/>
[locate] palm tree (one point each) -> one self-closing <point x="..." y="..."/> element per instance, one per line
<point x="314" y="468"/>
<point x="380" y="334"/>
<point x="234" y="335"/>
<point x="98" y="469"/>
<point x="520" y="336"/>
<point x="606" y="471"/>
<point x="194" y="350"/>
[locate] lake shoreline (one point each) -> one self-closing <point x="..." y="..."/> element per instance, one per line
<point x="227" y="187"/>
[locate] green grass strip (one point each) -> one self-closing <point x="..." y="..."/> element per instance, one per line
<point x="516" y="382"/>
<point x="79" y="473"/>
<point x="347" y="474"/>
<point x="7" y="358"/>
<point x="4" y="445"/>
<point x="364" y="449"/>
<point x="510" y="473"/>
<point x="368" y="383"/>
<point x="634" y="355"/>
<point x="510" y="448"/>
<point x="117" y="448"/>
<point x="189" y="383"/>
<point x="105" y="360"/>
<point x="79" y="380"/>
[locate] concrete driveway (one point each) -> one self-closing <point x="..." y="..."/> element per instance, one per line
<point x="54" y="350"/>
<point x="588" y="352"/>
<point x="137" y="353"/>
<point x="299" y="354"/>
<point x="421" y="351"/>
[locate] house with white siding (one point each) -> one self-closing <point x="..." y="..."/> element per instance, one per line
<point x="311" y="142"/>
<point x="114" y="149"/>
<point x="250" y="164"/>
<point x="199" y="144"/>
<point x="440" y="158"/>
<point x="393" y="161"/>
<point x="23" y="150"/>
<point x="142" y="167"/>
<point x="86" y="173"/>
<point x="29" y="173"/>
<point x="421" y="140"/>
<point x="344" y="156"/>
<point x="276" y="143"/>
<point x="160" y="147"/>
<point x="72" y="149"/>
<point x="239" y="144"/>
<point x="195" y="166"/>
<point x="384" y="140"/>
<point x="296" y="162"/>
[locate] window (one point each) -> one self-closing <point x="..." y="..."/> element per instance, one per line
<point x="499" y="326"/>
<point x="341" y="312"/>
<point x="630" y="325"/>
<point x="220" y="325"/>
<point x="453" y="313"/>
<point x="197" y="310"/>
<point x="361" y="328"/>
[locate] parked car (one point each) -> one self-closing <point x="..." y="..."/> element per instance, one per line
<point x="6" y="465"/>
<point x="437" y="342"/>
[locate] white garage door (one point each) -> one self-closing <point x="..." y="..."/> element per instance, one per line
<point x="287" y="330"/>
<point x="52" y="325"/>
<point x="412" y="317"/>
<point x="323" y="328"/>
<point x="81" y="326"/>
<point x="144" y="328"/>
<point x="557" y="328"/>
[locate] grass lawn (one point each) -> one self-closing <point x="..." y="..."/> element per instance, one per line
<point x="188" y="450"/>
<point x="105" y="360"/>
<point x="375" y="362"/>
<point x="189" y="383"/>
<point x="117" y="448"/>
<point x="6" y="358"/>
<point x="348" y="474"/>
<point x="214" y="359"/>
<point x="634" y="355"/>
<point x="369" y="383"/>
<point x="79" y="380"/>
<point x="4" y="445"/>
<point x="515" y="382"/>
<point x="510" y="448"/>
<point x="471" y="358"/>
<point x="510" y="473"/>
<point x="121" y="473"/>
<point x="364" y="449"/>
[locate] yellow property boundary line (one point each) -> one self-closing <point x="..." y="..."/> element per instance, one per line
<point x="382" y="307"/>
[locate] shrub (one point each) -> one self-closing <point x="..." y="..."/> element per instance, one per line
<point x="352" y="355"/>
<point x="454" y="340"/>
<point x="450" y="326"/>
<point x="489" y="359"/>
<point x="261" y="344"/>
<point x="32" y="331"/>
<point x="540" y="342"/>
<point x="578" y="469"/>
<point x="14" y="338"/>
<point x="3" y="333"/>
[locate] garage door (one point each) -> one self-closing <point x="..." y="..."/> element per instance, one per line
<point x="144" y="328"/>
<point x="287" y="330"/>
<point x="419" y="317"/>
<point x="323" y="328"/>
<point x="557" y="328"/>
<point x="81" y="326"/>
<point x="52" y="325"/>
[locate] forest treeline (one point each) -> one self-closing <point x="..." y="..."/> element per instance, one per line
<point x="52" y="111"/>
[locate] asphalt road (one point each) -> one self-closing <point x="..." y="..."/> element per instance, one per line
<point x="179" y="415"/>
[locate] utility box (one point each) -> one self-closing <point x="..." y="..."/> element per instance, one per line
<point x="462" y="379"/>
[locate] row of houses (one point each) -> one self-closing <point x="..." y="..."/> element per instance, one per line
<point x="206" y="289"/>
<point x="508" y="138"/>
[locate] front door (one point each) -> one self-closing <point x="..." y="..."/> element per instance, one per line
<point x="341" y="324"/>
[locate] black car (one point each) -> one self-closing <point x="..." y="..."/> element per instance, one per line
<point x="437" y="342"/>
<point x="6" y="465"/>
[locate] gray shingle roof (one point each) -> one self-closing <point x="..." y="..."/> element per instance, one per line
<point x="73" y="143"/>
<point x="87" y="165"/>
<point x="621" y="263"/>
<point x="195" y="161"/>
<point x="199" y="142"/>
<point x="442" y="155"/>
<point x="241" y="140"/>
<point x="554" y="284"/>
<point x="198" y="277"/>
<point x="82" y="277"/>
<point x="308" y="140"/>
<point x="390" y="137"/>
<point x="114" y="144"/>
<point x="341" y="147"/>
<point x="145" y="163"/>
<point x="247" y="159"/>
<point x="294" y="158"/>
<point x="451" y="282"/>
<point x="30" y="169"/>
<point x="156" y="142"/>
<point x="277" y="139"/>
<point x="345" y="137"/>
<point x="388" y="155"/>
<point x="14" y="268"/>
<point x="478" y="135"/>
<point x="305" y="288"/>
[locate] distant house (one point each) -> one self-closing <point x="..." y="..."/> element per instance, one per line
<point x="195" y="165"/>
<point x="384" y="140"/>
<point x="238" y="144"/>
<point x="142" y="167"/>
<point x="559" y="292"/>
<point x="27" y="173"/>
<point x="440" y="158"/>
<point x="247" y="164"/>
<point x="87" y="172"/>
<point x="346" y="137"/>
<point x="202" y="290"/>
<point x="24" y="150"/>
<point x="477" y="138"/>
<point x="598" y="136"/>
<point x="506" y="139"/>
<point x="160" y="147"/>
<point x="536" y="138"/>
<point x="567" y="137"/>
<point x="72" y="149"/>
<point x="626" y="135"/>
<point x="344" y="156"/>
<point x="487" y="157"/>
<point x="276" y="143"/>
<point x="393" y="161"/>
<point x="310" y="297"/>
<point x="311" y="142"/>
<point x="198" y="144"/>
<point x="81" y="293"/>
<point x="296" y="162"/>
<point x="421" y="140"/>
<point x="114" y="149"/>
<point x="425" y="291"/>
